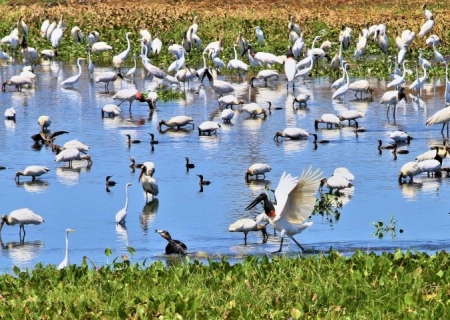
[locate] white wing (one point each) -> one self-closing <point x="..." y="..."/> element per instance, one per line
<point x="297" y="204"/>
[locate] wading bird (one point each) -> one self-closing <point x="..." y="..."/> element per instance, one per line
<point x="120" y="58"/>
<point x="111" y="110"/>
<point x="122" y="214"/>
<point x="295" y="200"/>
<point x="409" y="169"/>
<point x="107" y="77"/>
<point x="227" y="115"/>
<point x="440" y="117"/>
<point x="393" y="97"/>
<point x="265" y="75"/>
<point x="219" y="86"/>
<point x="208" y="127"/>
<point x="32" y="171"/>
<point x="74" y="79"/>
<point x="21" y="217"/>
<point x="292" y="133"/>
<point x="44" y="122"/>
<point x="68" y="155"/>
<point x="256" y="170"/>
<point x="176" y="122"/>
<point x="65" y="263"/>
<point x="247" y="225"/>
<point x="148" y="183"/>
<point x="173" y="246"/>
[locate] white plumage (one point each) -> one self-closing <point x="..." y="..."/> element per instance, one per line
<point x="263" y="58"/>
<point x="292" y="133"/>
<point x="336" y="182"/>
<point x="107" y="77"/>
<point x="68" y="155"/>
<point x="329" y="119"/>
<point x="17" y="81"/>
<point x="230" y="100"/>
<point x="80" y="146"/>
<point x="393" y="97"/>
<point x="361" y="86"/>
<point x="409" y="169"/>
<point x="247" y="225"/>
<point x="149" y="184"/>
<point x="342" y="90"/>
<point x="440" y="117"/>
<point x="208" y="127"/>
<point x="74" y="79"/>
<point x="301" y="99"/>
<point x="399" y="136"/>
<point x="219" y="86"/>
<point x="295" y="198"/>
<point x="65" y="263"/>
<point x="257" y="169"/>
<point x="176" y="122"/>
<point x="350" y="115"/>
<point x="21" y="217"/>
<point x="426" y="28"/>
<point x="99" y="47"/>
<point x="32" y="171"/>
<point x="44" y="122"/>
<point x="76" y="34"/>
<point x="10" y="114"/>
<point x="122" y="214"/>
<point x="265" y="75"/>
<point x="343" y="172"/>
<point x="253" y="109"/>
<point x="227" y="115"/>
<point x="111" y="110"/>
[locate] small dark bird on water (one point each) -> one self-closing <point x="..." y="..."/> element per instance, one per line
<point x="189" y="165"/>
<point x="134" y="164"/>
<point x="203" y="182"/>
<point x="110" y="183"/>
<point x="132" y="141"/>
<point x="153" y="141"/>
<point x="174" y="246"/>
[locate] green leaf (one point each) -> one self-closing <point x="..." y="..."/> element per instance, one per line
<point x="440" y="273"/>
<point x="131" y="250"/>
<point x="108" y="252"/>
<point x="16" y="270"/>
<point x="408" y="298"/>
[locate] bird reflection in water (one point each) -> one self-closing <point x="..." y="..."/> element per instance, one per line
<point x="21" y="252"/>
<point x="33" y="186"/>
<point x="148" y="215"/>
<point x="122" y="235"/>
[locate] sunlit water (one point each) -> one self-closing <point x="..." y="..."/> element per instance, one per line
<point x="76" y="198"/>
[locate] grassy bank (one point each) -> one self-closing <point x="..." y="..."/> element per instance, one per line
<point x="364" y="286"/>
<point x="114" y="18"/>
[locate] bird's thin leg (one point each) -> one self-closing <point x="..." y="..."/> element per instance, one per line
<point x="281" y="245"/>
<point x="301" y="247"/>
<point x="395" y="107"/>
<point x="245" y="238"/>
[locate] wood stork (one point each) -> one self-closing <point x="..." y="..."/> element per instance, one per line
<point x="146" y="39"/>
<point x="253" y="109"/>
<point x="294" y="26"/>
<point x="427" y="13"/>
<point x="431" y="154"/>
<point x="80" y="146"/>
<point x="148" y="183"/>
<point x="335" y="182"/>
<point x="21" y="217"/>
<point x="99" y="47"/>
<point x="360" y="46"/>
<point x="65" y="263"/>
<point x="186" y="41"/>
<point x="241" y="43"/>
<point x="400" y="136"/>
<point x="230" y="100"/>
<point x="17" y="81"/>
<point x="122" y="214"/>
<point x="360" y="86"/>
<point x="247" y="225"/>
<point x="263" y="58"/>
<point x="120" y="58"/>
<point x="76" y="34"/>
<point x="265" y="75"/>
<point x="292" y="133"/>
<point x="10" y="114"/>
<point x="345" y="37"/>
<point x="219" y="86"/>
<point x="342" y="90"/>
<point x="202" y="181"/>
<point x="344" y="172"/>
<point x="111" y="110"/>
<point x="44" y="122"/>
<point x="382" y="41"/>
<point x="301" y="99"/>
<point x="49" y="54"/>
<point x="290" y="67"/>
<point x="432" y="166"/>
<point x="188" y="164"/>
<point x="295" y="198"/>
<point x="409" y="169"/>
<point x="256" y="170"/>
<point x="56" y="37"/>
<point x="107" y="77"/>
<point x="350" y="115"/>
<point x="32" y="171"/>
<point x="45" y="24"/>
<point x="393" y="97"/>
<point x="71" y="81"/>
<point x="298" y="46"/>
<point x="227" y="115"/>
<point x="440" y="117"/>
<point x="208" y="127"/>
<point x="176" y="122"/>
<point x="68" y="155"/>
<point x="173" y="246"/>
<point x="329" y="119"/>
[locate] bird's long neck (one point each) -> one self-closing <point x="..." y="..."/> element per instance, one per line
<point x="67" y="248"/>
<point x="126" y="198"/>
<point x="128" y="42"/>
<point x="269" y="208"/>
<point x="79" y="67"/>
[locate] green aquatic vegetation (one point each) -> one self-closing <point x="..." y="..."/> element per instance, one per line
<point x="383" y="228"/>
<point x="170" y="94"/>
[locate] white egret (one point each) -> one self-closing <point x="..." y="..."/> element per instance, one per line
<point x="173" y="246"/>
<point x="122" y="214"/>
<point x="422" y="61"/>
<point x="345" y="37"/>
<point x="68" y="155"/>
<point x="91" y="66"/>
<point x="382" y="40"/>
<point x="257" y="169"/>
<point x="219" y="86"/>
<point x="298" y="46"/>
<point x="426" y="27"/>
<point x="21" y="217"/>
<point x="65" y="263"/>
<point x="247" y="225"/>
<point x="132" y="72"/>
<point x="440" y="117"/>
<point x="295" y="200"/>
<point x="120" y="58"/>
<point x="417" y="84"/>
<point x="254" y="109"/>
<point x="342" y="90"/>
<point x="146" y="39"/>
<point x="177" y="122"/>
<point x="400" y="80"/>
<point x="438" y="57"/>
<point x="99" y="47"/>
<point x="208" y="127"/>
<point x="32" y="171"/>
<point x="71" y="81"/>
<point x="45" y="24"/>
<point x="305" y="71"/>
<point x="259" y="35"/>
<point x="52" y="26"/>
<point x="433" y="39"/>
<point x="292" y="133"/>
<point x="393" y="97"/>
<point x="148" y="183"/>
<point x="157" y="44"/>
<point x="290" y="67"/>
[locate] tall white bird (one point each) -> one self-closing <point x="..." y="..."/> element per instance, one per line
<point x="122" y="214"/>
<point x="32" y="171"/>
<point x="220" y="86"/>
<point x="393" y="97"/>
<point x="120" y="58"/>
<point x="426" y="27"/>
<point x="68" y="155"/>
<point x="438" y="57"/>
<point x="290" y="67"/>
<point x="341" y="91"/>
<point x="76" y="34"/>
<point x="56" y="37"/>
<point x="247" y="225"/>
<point x="91" y="66"/>
<point x="397" y="82"/>
<point x="71" y="81"/>
<point x="418" y="84"/>
<point x="259" y="35"/>
<point x="440" y="117"/>
<point x="148" y="183"/>
<point x="44" y="27"/>
<point x="361" y="86"/>
<point x="263" y="58"/>
<point x="65" y="263"/>
<point x="292" y="133"/>
<point x="17" y="81"/>
<point x="10" y="114"/>
<point x="235" y="63"/>
<point x="52" y="26"/>
<point x="157" y="44"/>
<point x="21" y="217"/>
<point x="427" y="13"/>
<point x="257" y="169"/>
<point x="295" y="200"/>
<point x="345" y="37"/>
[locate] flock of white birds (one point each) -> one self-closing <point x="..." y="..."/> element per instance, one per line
<point x="294" y="197"/>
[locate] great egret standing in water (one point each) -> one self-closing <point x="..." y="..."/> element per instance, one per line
<point x="122" y="214"/>
<point x="65" y="263"/>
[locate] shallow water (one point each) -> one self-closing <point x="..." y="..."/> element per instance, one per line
<point x="76" y="198"/>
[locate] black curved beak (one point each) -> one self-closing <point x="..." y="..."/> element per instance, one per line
<point x="245" y="51"/>
<point x="254" y="203"/>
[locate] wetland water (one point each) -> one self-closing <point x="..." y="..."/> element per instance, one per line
<point x="76" y="198"/>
